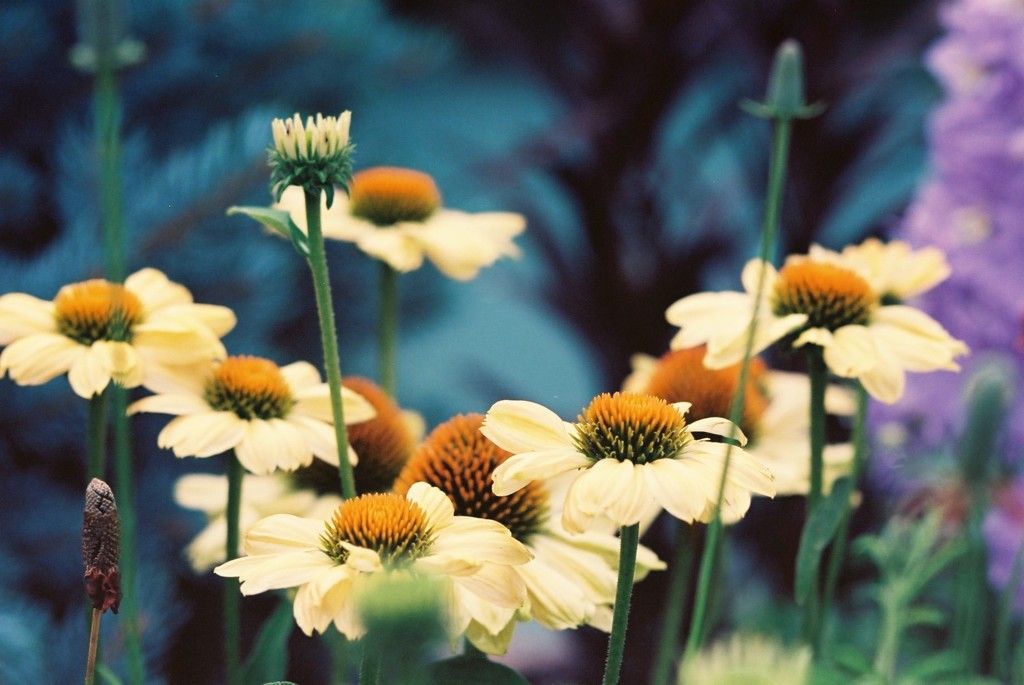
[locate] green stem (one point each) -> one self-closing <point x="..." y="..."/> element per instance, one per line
<point x="328" y="338"/>
<point x="341" y="654"/>
<point x="675" y="603"/>
<point x="372" y="668"/>
<point x="769" y="230"/>
<point x="387" y="341"/>
<point x="888" y="643"/>
<point x="837" y="556"/>
<point x="232" y="651"/>
<point x="126" y="509"/>
<point x="96" y="439"/>
<point x="623" y="593"/>
<point x="818" y="375"/>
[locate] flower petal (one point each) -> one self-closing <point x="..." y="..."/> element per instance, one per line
<point x="22" y="315"/>
<point x="851" y="352"/>
<point x="155" y="290"/>
<point x="520" y="426"/>
<point x="39" y="358"/>
<point x="203" y="435"/>
<point x="436" y="506"/>
<point x="520" y="469"/>
<point x="283" y="533"/>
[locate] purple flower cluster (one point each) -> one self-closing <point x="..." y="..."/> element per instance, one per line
<point x="972" y="207"/>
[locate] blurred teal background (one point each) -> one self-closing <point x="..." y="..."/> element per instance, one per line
<point x="613" y="126"/>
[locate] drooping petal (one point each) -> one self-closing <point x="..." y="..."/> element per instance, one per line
<point x="672" y="484"/>
<point x="520" y="426"/>
<point x="394" y="246"/>
<point x="315" y="402"/>
<point x="495" y="583"/>
<point x="155" y="290"/>
<point x="519" y="470"/>
<point x="283" y="533"/>
<point x="436" y="506"/>
<point x="39" y="358"/>
<point x="886" y="381"/>
<point x="320" y="438"/>
<point x="177" y="405"/>
<point x="715" y="425"/>
<point x="917" y="340"/>
<point x="203" y="435"/>
<point x="851" y="352"/>
<point x="22" y="315"/>
<point x="276" y="571"/>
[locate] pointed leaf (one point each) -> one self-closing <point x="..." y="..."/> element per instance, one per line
<point x="268" y="659"/>
<point x="279" y="221"/>
<point x="817" y="534"/>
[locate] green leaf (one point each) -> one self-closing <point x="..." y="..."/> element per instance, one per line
<point x="472" y="670"/>
<point x="279" y="221"/>
<point x="927" y="668"/>
<point x="850" y="659"/>
<point x="268" y="659"/>
<point x="817" y="534"/>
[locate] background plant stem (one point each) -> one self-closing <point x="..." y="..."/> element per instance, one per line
<point x="675" y="603"/>
<point x="328" y="338"/>
<point x="387" y="341"/>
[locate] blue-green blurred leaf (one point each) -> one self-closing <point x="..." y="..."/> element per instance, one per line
<point x="472" y="670"/>
<point x="817" y="534"/>
<point x="278" y="221"/>
<point x="269" y="656"/>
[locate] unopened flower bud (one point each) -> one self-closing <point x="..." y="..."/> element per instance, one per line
<point x="101" y="547"/>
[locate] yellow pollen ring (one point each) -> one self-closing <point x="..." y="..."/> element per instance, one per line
<point x="96" y="310"/>
<point x="830" y="295"/>
<point x="389" y="524"/>
<point x="389" y="195"/>
<point x="631" y="426"/>
<point x="249" y="375"/>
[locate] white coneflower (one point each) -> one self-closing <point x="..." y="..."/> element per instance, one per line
<point x="316" y="156"/>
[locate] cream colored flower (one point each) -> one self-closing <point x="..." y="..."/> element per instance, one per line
<point x="395" y="215"/>
<point x="893" y="269"/>
<point x="633" y="453"/>
<point x="332" y="563"/>
<point x="273" y="417"/>
<point x="822" y="304"/>
<point x="748" y="660"/>
<point x="319" y="138"/>
<point x="262" y="496"/>
<point x="571" y="579"/>
<point x="141" y="333"/>
<point x="776" y="414"/>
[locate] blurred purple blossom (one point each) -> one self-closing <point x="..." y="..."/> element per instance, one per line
<point x="1003" y="529"/>
<point x="972" y="207"/>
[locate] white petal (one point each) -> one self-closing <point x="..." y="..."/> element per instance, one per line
<point x="283" y="533"/>
<point x="520" y="426"/>
<point x="155" y="290"/>
<point x="917" y="340"/>
<point x="519" y="470"/>
<point x="39" y="358"/>
<point x="495" y="583"/>
<point x="202" y="435"/>
<point x="886" y="381"/>
<point x="394" y="246"/>
<point x="22" y="315"/>
<point x="673" y="485"/>
<point x="319" y="437"/>
<point x="436" y="506"/>
<point x="177" y="405"/>
<point x="851" y="352"/>
<point x="293" y="451"/>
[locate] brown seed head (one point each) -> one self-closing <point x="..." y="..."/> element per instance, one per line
<point x="101" y="547"/>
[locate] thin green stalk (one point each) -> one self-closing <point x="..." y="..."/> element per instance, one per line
<point x="328" y="338"/>
<point x="232" y="650"/>
<point x="126" y="509"/>
<point x="769" y="230"/>
<point x="630" y="539"/>
<point x="818" y="375"/>
<point x="387" y="341"/>
<point x="675" y="603"/>
<point x="838" y="553"/>
<point x="341" y="654"/>
<point x="96" y="439"/>
<point x="817" y="372"/>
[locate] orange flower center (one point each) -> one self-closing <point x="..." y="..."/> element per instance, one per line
<point x="458" y="459"/>
<point x="680" y="376"/>
<point x="387" y="523"/>
<point x="630" y="426"/>
<point x="830" y="296"/>
<point x="251" y="387"/>
<point x="389" y="195"/>
<point x="96" y="310"/>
